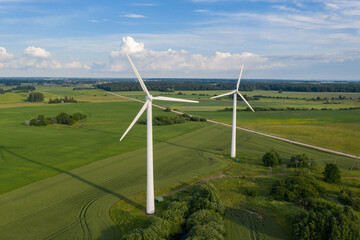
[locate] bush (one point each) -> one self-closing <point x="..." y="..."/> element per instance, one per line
<point x="332" y="173"/>
<point x="136" y="234"/>
<point x="270" y="159"/>
<point x="35" y="97"/>
<point x="251" y="193"/>
<point x="348" y="197"/>
<point x="295" y="188"/>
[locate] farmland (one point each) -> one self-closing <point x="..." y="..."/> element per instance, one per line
<point x="59" y="182"/>
<point x="334" y="128"/>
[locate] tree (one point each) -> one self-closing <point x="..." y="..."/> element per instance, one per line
<point x="300" y="160"/>
<point x="35" y="97"/>
<point x="270" y="159"/>
<point x="332" y="173"/>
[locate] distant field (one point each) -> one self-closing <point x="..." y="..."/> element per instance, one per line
<point x="333" y="129"/>
<point x="12" y="99"/>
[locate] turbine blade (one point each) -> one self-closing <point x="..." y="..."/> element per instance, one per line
<point x="222" y="95"/>
<point x="245" y="101"/>
<point x="135" y="119"/>
<point x="173" y="99"/>
<point x="238" y="83"/>
<point x="138" y="76"/>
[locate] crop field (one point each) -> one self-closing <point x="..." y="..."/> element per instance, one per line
<point x="13" y="99"/>
<point x="335" y="129"/>
<point x="59" y="182"/>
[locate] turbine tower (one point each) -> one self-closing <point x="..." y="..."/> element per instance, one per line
<point x="234" y="93"/>
<point x="150" y="202"/>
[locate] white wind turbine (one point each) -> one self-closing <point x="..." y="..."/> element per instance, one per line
<point x="234" y="93"/>
<point x="150" y="203"/>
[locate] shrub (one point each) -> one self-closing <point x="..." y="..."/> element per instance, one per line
<point x="295" y="188"/>
<point x="167" y="110"/>
<point x="332" y="173"/>
<point x="136" y="234"/>
<point x="251" y="193"/>
<point x="349" y="198"/>
<point x="270" y="159"/>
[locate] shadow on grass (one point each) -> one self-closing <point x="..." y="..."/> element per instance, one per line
<point x="250" y="224"/>
<point x="101" y="188"/>
<point x="187" y="147"/>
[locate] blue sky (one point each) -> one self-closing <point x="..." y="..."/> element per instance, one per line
<point x="187" y="38"/>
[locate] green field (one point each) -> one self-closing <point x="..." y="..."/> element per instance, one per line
<point x="59" y="182"/>
<point x="335" y="129"/>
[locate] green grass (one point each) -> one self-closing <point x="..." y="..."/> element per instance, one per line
<point x="63" y="180"/>
<point x="26" y="148"/>
<point x="333" y="129"/>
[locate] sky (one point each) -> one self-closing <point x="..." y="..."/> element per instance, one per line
<point x="274" y="39"/>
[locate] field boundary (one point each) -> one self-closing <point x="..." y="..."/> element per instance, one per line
<point x="253" y="131"/>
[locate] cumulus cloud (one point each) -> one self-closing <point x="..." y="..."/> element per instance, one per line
<point x="36" y="58"/>
<point x="4" y="55"/>
<point x="173" y="60"/>
<point x="36" y="52"/>
<point x="131" y="46"/>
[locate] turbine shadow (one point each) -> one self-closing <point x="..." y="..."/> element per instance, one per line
<point x="187" y="147"/>
<point x="94" y="185"/>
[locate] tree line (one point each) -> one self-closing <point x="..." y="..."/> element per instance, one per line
<point x="170" y="120"/>
<point x="18" y="89"/>
<point x="164" y="86"/>
<point x="66" y="99"/>
<point x="61" y="118"/>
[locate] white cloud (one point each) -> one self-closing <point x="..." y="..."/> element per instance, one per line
<point x="285" y="8"/>
<point x="4" y="55"/>
<point x="73" y="64"/>
<point x="36" y="52"/>
<point x="172" y="60"/>
<point x="131" y="46"/>
<point x="133" y="15"/>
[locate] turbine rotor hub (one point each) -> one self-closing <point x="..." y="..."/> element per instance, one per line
<point x="149" y="98"/>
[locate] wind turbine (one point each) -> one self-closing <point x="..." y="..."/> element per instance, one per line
<point x="234" y="93"/>
<point x="150" y="203"/>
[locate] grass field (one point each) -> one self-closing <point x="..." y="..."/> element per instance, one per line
<point x="59" y="182"/>
<point x="26" y="151"/>
<point x="335" y="129"/>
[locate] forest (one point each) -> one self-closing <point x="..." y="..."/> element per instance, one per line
<point x="164" y="86"/>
